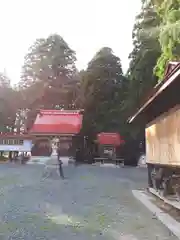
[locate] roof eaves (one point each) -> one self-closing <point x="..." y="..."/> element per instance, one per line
<point x="160" y="87"/>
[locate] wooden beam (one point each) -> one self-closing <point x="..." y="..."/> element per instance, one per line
<point x="159" y="91"/>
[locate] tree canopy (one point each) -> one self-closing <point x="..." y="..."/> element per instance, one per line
<point x="49" y="74"/>
<point x="167" y="31"/>
<point x="9" y="103"/>
<point x="50" y="79"/>
<point x="144" y="56"/>
<point x="104" y="87"/>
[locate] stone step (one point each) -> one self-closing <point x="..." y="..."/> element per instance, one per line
<point x="38" y="160"/>
<point x="52" y="160"/>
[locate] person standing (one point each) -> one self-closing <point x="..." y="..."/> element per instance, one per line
<point x="79" y="156"/>
<point x="60" y="163"/>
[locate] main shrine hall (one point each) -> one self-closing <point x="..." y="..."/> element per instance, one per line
<point x="53" y="128"/>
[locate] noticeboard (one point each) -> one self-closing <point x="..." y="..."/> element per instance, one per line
<point x="23" y="146"/>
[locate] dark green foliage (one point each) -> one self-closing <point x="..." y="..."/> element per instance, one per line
<point x="49" y="76"/>
<point x="143" y="57"/>
<point x="105" y="89"/>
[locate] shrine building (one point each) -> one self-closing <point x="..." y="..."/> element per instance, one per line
<point x="53" y="128"/>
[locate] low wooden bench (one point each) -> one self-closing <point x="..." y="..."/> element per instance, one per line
<point x="117" y="161"/>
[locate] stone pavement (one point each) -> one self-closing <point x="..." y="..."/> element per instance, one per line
<point x="47" y="160"/>
<point x="92" y="203"/>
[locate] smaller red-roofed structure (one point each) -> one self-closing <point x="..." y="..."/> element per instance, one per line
<point x="109" y="139"/>
<point x="108" y="144"/>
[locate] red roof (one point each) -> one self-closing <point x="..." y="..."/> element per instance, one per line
<point x="57" y="122"/>
<point x="109" y="139"/>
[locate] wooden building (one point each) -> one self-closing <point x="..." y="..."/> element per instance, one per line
<point x="53" y="128"/>
<point x="160" y="114"/>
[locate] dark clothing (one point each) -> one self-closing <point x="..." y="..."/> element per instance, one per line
<point x="61" y="170"/>
<point x="78" y="155"/>
<point x="59" y="154"/>
<point x="60" y="165"/>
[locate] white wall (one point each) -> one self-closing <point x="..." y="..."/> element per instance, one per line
<point x="26" y="147"/>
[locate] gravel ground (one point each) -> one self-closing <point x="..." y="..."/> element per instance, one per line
<point x="93" y="202"/>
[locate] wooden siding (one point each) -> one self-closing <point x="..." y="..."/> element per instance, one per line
<point x="163" y="139"/>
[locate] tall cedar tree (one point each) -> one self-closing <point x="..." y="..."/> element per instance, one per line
<point x="104" y="88"/>
<point x="143" y="59"/>
<point x="49" y="76"/>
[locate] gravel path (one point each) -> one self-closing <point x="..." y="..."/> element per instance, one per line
<point x="92" y="203"/>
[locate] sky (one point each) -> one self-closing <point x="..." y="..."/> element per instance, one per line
<point x="86" y="25"/>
